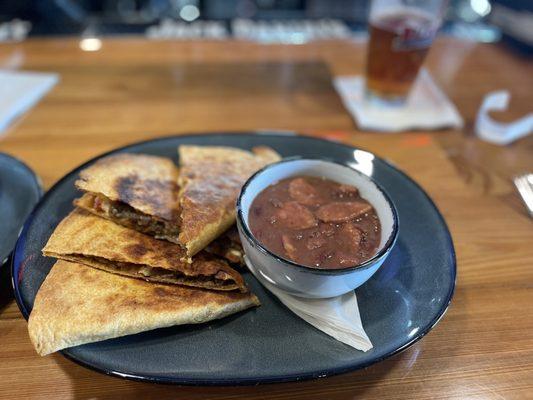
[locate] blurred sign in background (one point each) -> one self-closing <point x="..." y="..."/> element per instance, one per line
<point x="269" y="21"/>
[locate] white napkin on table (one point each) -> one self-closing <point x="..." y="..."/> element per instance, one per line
<point x="499" y="132"/>
<point x="19" y="91"/>
<point x="337" y="316"/>
<point x="427" y="106"/>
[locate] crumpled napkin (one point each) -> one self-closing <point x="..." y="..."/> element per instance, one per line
<point x="427" y="106"/>
<point x="337" y="316"/>
<point x="499" y="132"/>
<point x="19" y="91"/>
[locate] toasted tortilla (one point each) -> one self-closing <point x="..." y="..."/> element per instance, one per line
<point x="135" y="190"/>
<point x="87" y="239"/>
<point x="210" y="179"/>
<point x="77" y="304"/>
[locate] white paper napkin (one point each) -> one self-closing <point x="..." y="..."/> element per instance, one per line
<point x="427" y="107"/>
<point x="19" y="91"/>
<point x="338" y="316"/>
<point x="499" y="132"/>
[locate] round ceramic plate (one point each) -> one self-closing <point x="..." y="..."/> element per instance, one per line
<point x="399" y="304"/>
<point x="20" y="190"/>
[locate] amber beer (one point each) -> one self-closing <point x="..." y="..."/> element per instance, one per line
<point x="399" y="43"/>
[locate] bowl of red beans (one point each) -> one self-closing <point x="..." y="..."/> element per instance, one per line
<point x="315" y="228"/>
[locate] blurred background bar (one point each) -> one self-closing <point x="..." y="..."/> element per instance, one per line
<point x="267" y="21"/>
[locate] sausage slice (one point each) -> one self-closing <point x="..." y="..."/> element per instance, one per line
<point x="289" y="246"/>
<point x="342" y="212"/>
<point x="295" y="216"/>
<point x="353" y="235"/>
<point x="303" y="192"/>
<point x="346" y="192"/>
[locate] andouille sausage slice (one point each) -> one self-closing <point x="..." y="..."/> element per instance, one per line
<point x="289" y="246"/>
<point x="342" y="211"/>
<point x="294" y="216"/>
<point x="301" y="191"/>
<point x="316" y="242"/>
<point x="346" y="192"/>
<point x="352" y="234"/>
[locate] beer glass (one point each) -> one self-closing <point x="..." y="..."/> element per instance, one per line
<point x="401" y="33"/>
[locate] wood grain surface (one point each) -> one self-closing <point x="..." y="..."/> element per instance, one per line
<point x="133" y="89"/>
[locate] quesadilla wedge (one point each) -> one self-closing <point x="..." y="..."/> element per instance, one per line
<point x="210" y="179"/>
<point x="87" y="239"/>
<point x="227" y="246"/>
<point x="77" y="304"/>
<point x="135" y="190"/>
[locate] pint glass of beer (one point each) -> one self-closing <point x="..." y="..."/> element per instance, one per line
<point x="401" y="33"/>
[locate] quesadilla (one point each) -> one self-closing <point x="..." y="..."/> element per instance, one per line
<point x="87" y="239"/>
<point x="135" y="190"/>
<point x="141" y="192"/>
<point x="210" y="179"/>
<point x="227" y="246"/>
<point x="77" y="304"/>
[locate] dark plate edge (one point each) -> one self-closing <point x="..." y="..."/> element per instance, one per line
<point x="31" y="172"/>
<point x="37" y="185"/>
<point x="235" y="382"/>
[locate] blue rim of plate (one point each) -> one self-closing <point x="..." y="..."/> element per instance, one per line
<point x="247" y="381"/>
<point x="31" y="172"/>
<point x="38" y="186"/>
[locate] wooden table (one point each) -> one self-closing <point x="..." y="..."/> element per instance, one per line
<point x="133" y="89"/>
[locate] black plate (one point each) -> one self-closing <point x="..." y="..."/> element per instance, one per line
<point x="399" y="305"/>
<point x="20" y="190"/>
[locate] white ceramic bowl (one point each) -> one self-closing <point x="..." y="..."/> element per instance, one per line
<point x="301" y="280"/>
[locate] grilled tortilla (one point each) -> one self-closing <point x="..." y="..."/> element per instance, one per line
<point x="210" y="179"/>
<point x="77" y="304"/>
<point x="135" y="190"/>
<point x="85" y="238"/>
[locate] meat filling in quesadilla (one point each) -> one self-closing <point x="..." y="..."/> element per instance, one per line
<point x="220" y="279"/>
<point x="127" y="216"/>
<point x="228" y="246"/>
